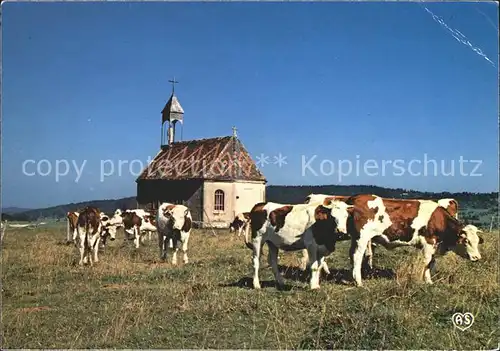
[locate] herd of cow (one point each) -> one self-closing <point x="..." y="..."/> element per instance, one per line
<point x="313" y="227"/>
<point x="90" y="227"/>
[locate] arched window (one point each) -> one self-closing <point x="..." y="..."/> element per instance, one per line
<point x="219" y="200"/>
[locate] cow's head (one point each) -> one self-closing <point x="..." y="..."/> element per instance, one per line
<point x="117" y="220"/>
<point x="177" y="216"/>
<point x="340" y="211"/>
<point x="107" y="229"/>
<point x="468" y="242"/>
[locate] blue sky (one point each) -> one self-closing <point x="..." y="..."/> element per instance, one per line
<point x="342" y="81"/>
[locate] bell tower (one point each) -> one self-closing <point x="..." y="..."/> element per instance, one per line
<point x="171" y="113"/>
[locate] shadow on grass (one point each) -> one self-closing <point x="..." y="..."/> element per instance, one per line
<point x="338" y="276"/>
<point x="247" y="282"/>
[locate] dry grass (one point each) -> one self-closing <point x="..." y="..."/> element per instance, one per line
<point x="131" y="300"/>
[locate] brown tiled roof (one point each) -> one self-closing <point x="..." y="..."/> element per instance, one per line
<point x="223" y="158"/>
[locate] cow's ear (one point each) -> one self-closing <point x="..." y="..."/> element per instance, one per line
<point x="327" y="202"/>
<point x="481" y="240"/>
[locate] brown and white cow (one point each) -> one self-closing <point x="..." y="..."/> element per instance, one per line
<point x="322" y="198"/>
<point x="136" y="226"/>
<point x="71" y="231"/>
<point x="89" y="232"/>
<point x="295" y="227"/>
<point x="419" y="223"/>
<point x="147" y="225"/>
<point x="174" y="223"/>
<point x="240" y="223"/>
<point x="451" y="205"/>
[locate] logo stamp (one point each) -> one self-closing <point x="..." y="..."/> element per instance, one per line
<point x="462" y="321"/>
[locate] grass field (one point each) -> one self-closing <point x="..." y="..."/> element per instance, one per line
<point x="130" y="300"/>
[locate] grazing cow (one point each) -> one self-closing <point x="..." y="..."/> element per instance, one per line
<point x="174" y="224"/>
<point x="240" y="223"/>
<point x="71" y="231"/>
<point x="89" y="232"/>
<point x="311" y="226"/>
<point x="419" y="223"/>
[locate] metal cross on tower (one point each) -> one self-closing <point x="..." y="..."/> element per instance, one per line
<point x="173" y="81"/>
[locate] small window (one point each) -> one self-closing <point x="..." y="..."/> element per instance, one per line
<point x="219" y="200"/>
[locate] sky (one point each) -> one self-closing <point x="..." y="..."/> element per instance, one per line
<point x="326" y="85"/>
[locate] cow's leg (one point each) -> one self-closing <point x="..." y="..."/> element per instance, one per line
<point x="367" y="264"/>
<point x="162" y="239"/>
<point x="257" y="249"/>
<point x="305" y="260"/>
<point x="68" y="231"/>
<point x="272" y="259"/>
<point x="312" y="251"/>
<point x="175" y="243"/>
<point x="185" y="241"/>
<point x="324" y="266"/>
<point x="96" y="248"/>
<point x="304" y="263"/>
<point x="81" y="246"/>
<point x="75" y="234"/>
<point x="137" y="238"/>
<point x="428" y="250"/>
<point x="358" y="253"/>
<point x="88" y="251"/>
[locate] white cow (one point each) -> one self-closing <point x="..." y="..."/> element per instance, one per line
<point x="296" y="227"/>
<point x="108" y="229"/>
<point x="174" y="223"/>
<point x="117" y="219"/>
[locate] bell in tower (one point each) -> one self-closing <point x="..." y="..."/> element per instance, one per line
<point x="173" y="113"/>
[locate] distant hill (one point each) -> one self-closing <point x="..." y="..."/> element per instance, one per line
<point x="475" y="208"/>
<point x="55" y="212"/>
<point x="13" y="210"/>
